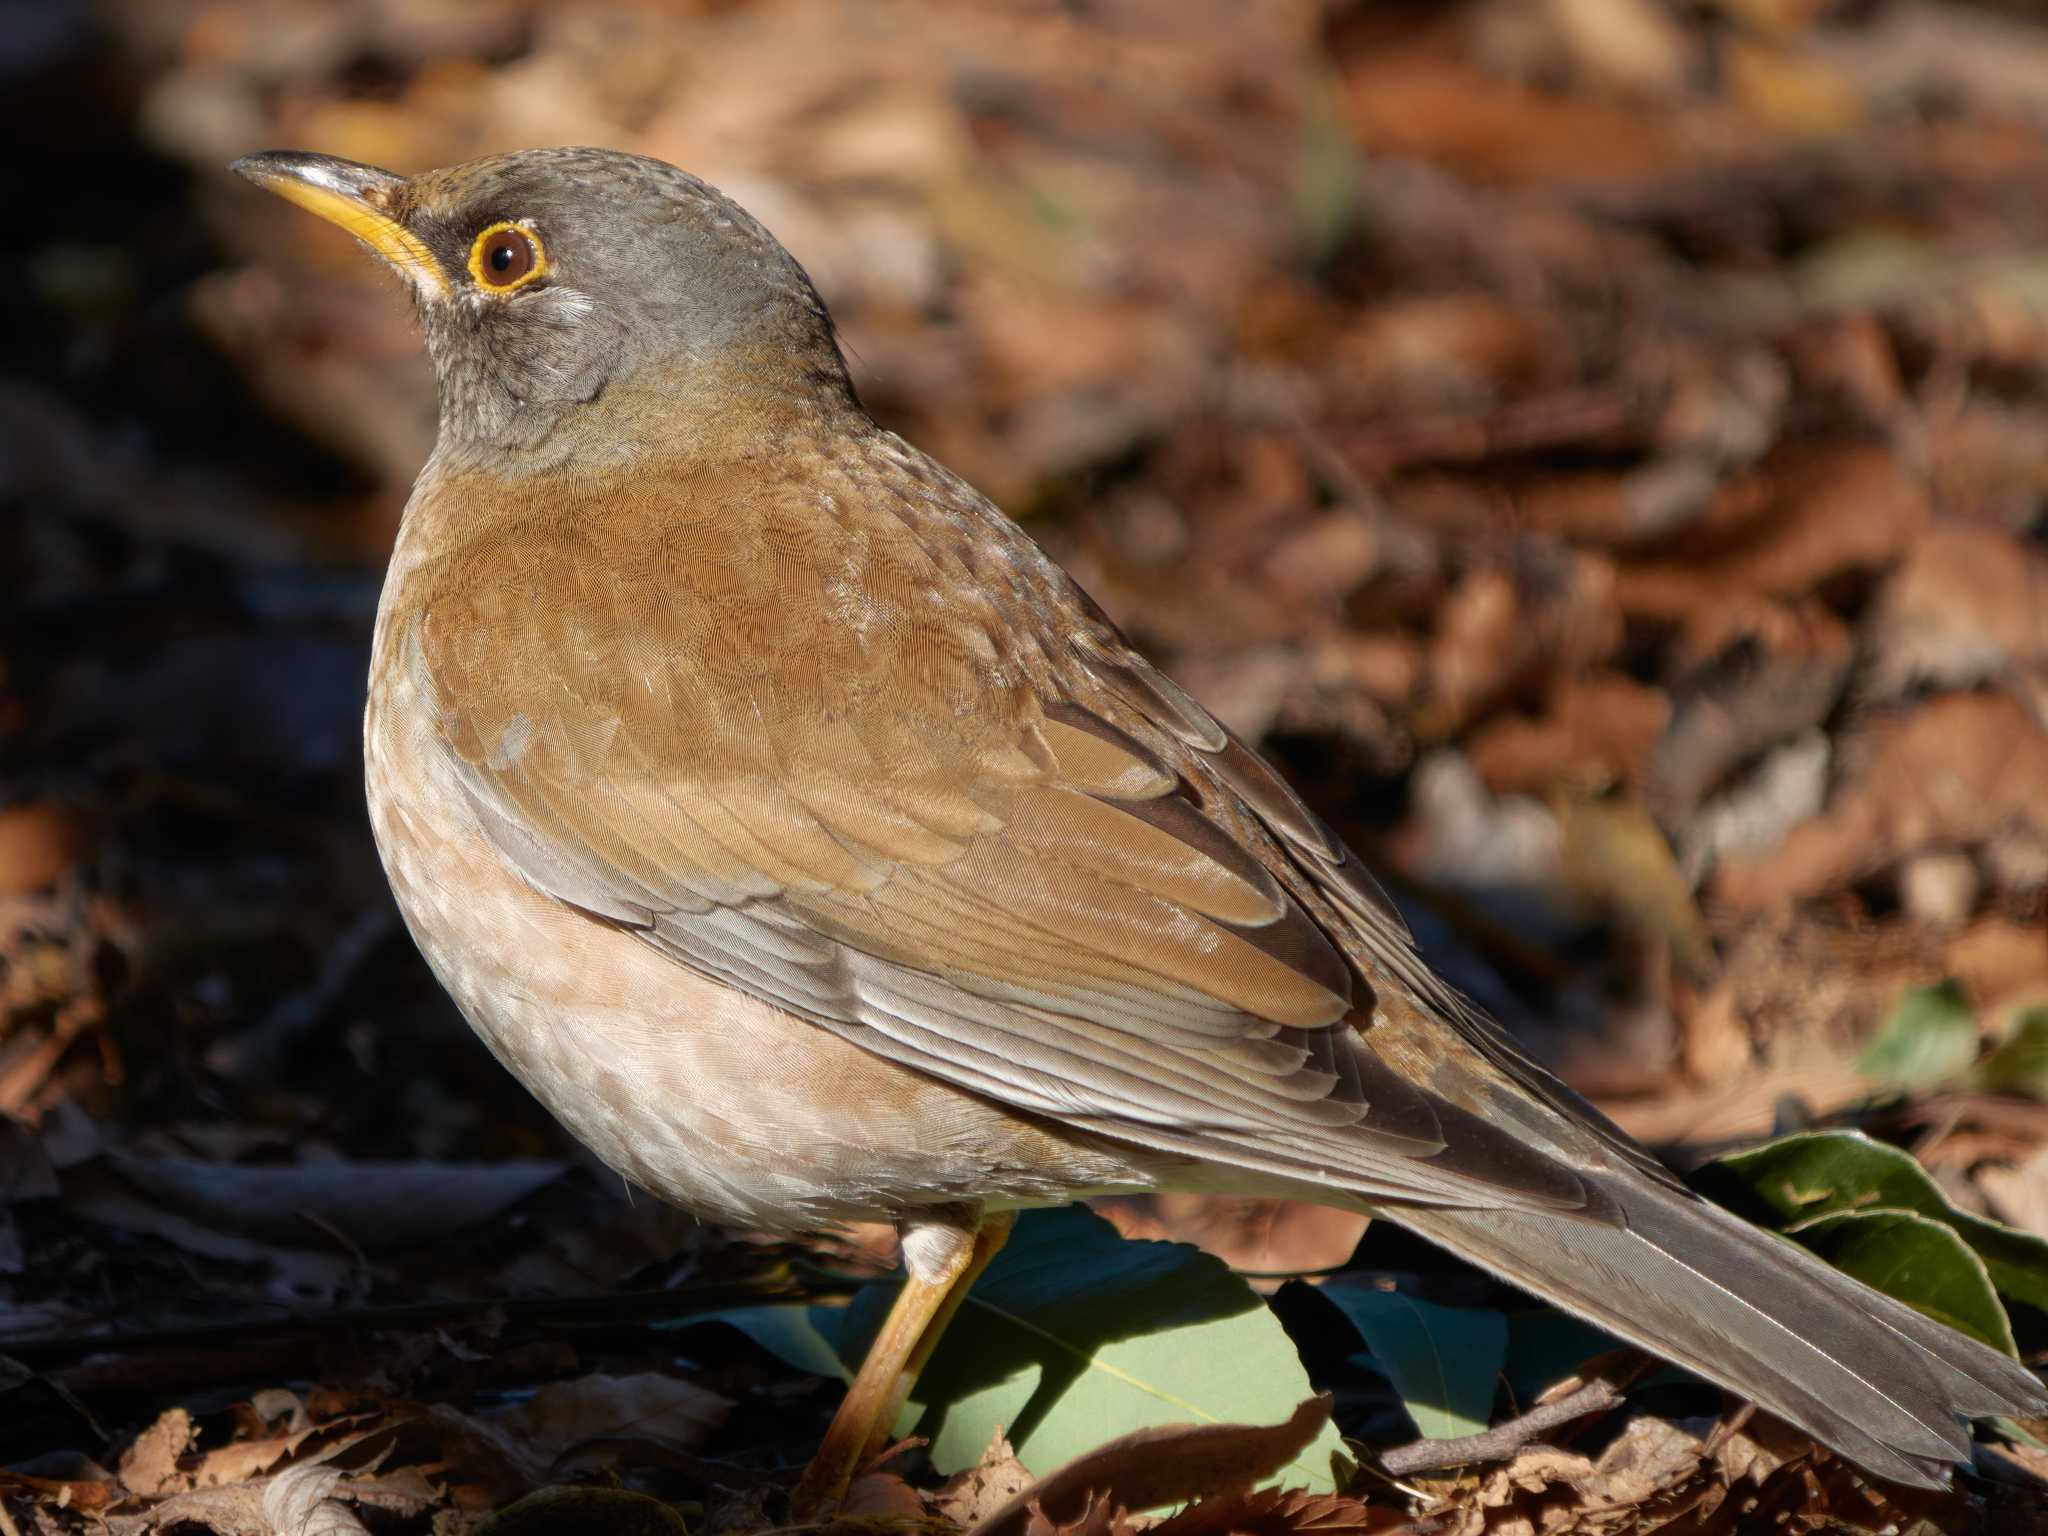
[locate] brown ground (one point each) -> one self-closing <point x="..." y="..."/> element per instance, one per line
<point x="1597" y="446"/>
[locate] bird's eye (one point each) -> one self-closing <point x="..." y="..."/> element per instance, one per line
<point x="506" y="256"/>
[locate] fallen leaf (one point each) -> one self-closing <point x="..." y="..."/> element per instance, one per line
<point x="1970" y="600"/>
<point x="1287" y="1512"/>
<point x="1953" y="771"/>
<point x="563" y="1414"/>
<point x="882" y="1496"/>
<point x="1803" y="517"/>
<point x="150" y="1465"/>
<point x="968" y="1498"/>
<point x="1163" y="1465"/>
<point x="2019" y="1195"/>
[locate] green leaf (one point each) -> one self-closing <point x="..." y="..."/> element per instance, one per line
<point x="1444" y="1361"/>
<point x="1545" y="1346"/>
<point x="1792" y="1183"/>
<point x="1075" y="1336"/>
<point x="1921" y="1262"/>
<point x="1072" y="1337"/>
<point x="2020" y="1064"/>
<point x="803" y="1338"/>
<point x="1930" y="1037"/>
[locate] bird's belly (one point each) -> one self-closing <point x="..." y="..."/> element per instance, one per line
<point x="698" y="1092"/>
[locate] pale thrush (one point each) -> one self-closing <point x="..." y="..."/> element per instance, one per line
<point x="809" y="843"/>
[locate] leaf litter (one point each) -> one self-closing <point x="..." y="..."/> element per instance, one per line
<point x="1594" y="445"/>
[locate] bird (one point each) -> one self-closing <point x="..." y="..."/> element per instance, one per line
<point x="815" y="849"/>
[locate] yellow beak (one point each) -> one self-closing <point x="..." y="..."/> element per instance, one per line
<point x="360" y="198"/>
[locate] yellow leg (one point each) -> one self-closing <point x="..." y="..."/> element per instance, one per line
<point x="862" y="1426"/>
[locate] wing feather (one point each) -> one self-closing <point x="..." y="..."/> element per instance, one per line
<point x="929" y="823"/>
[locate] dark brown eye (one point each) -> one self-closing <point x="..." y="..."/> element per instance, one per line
<point x="505" y="256"/>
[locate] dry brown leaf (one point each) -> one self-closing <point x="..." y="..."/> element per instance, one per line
<point x="1634" y="48"/>
<point x="1743" y="1108"/>
<point x="311" y="1499"/>
<point x="1164" y="1465"/>
<point x="1498" y="625"/>
<point x="1384" y="665"/>
<point x="1985" y="455"/>
<point x="1812" y="1491"/>
<point x="1649" y="1457"/>
<point x="1950" y="773"/>
<point x="1714" y="1042"/>
<point x="236" y="1511"/>
<point x="1920" y="49"/>
<point x="1751" y="672"/>
<point x="1098" y="1516"/>
<point x="1595" y="731"/>
<point x="1652" y="1463"/>
<point x="968" y="1498"/>
<point x="1447" y="353"/>
<point x="1286" y="1512"/>
<point x="648" y="1405"/>
<point x="86" y="1494"/>
<point x="1999" y="961"/>
<point x="149" y="1467"/>
<point x="39" y="841"/>
<point x="1851" y="358"/>
<point x="241" y="1460"/>
<point x="1969" y="601"/>
<point x="1482" y="642"/>
<point x="1323" y="561"/>
<point x="2018" y="1195"/>
<point x="1535" y="1492"/>
<point x="1469" y="121"/>
<point x="882" y="1496"/>
<point x="1803" y="517"/>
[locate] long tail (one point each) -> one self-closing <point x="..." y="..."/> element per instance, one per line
<point x="1869" y="1376"/>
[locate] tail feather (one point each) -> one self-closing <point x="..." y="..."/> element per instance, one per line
<point x="1867" y="1375"/>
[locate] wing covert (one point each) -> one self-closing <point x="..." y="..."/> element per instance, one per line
<point x="936" y="832"/>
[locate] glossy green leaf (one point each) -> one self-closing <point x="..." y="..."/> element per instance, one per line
<point x="1545" y="1346"/>
<point x="1917" y="1260"/>
<point x="1930" y="1037"/>
<point x="1445" y="1362"/>
<point x="803" y="1338"/>
<point x="1792" y="1183"/>
<point x="1075" y="1336"/>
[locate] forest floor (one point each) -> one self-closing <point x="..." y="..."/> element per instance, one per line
<point x="1596" y="447"/>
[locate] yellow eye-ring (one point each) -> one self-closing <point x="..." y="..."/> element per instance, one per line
<point x="506" y="256"/>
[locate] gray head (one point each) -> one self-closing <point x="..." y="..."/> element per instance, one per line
<point x="547" y="277"/>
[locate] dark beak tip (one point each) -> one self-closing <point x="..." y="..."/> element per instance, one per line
<point x="267" y="167"/>
<point x="365" y="200"/>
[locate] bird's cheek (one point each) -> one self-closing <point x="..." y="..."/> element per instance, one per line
<point x="568" y="353"/>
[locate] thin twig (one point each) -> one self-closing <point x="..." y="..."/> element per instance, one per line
<point x="1503" y="1440"/>
<point x="1725" y="1430"/>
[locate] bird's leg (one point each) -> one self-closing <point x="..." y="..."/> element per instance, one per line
<point x="941" y="1262"/>
<point x="988" y="1241"/>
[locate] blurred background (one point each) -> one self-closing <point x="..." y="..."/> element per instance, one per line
<point x="1595" y="446"/>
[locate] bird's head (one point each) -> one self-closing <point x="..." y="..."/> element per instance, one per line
<point x="549" y="277"/>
